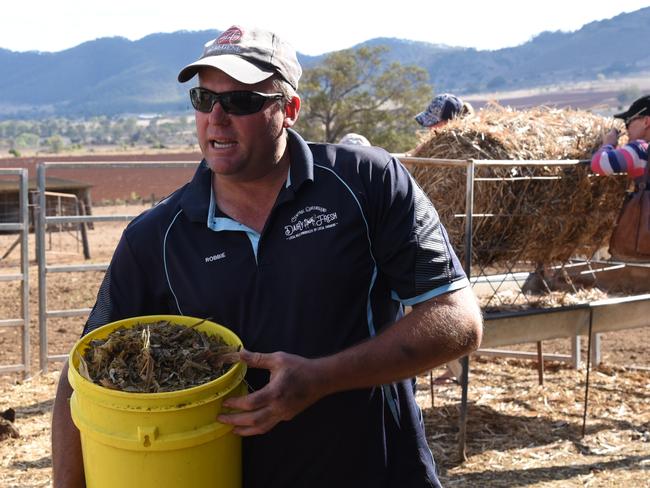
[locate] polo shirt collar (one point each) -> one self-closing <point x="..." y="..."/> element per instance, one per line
<point x="195" y="201"/>
<point x="302" y="161"/>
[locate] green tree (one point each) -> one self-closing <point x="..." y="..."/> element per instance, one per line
<point x="26" y="140"/>
<point x="55" y="143"/>
<point x="350" y="92"/>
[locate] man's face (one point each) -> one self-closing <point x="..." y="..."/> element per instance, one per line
<point x="243" y="147"/>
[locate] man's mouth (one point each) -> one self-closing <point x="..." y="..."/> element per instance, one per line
<point x="224" y="144"/>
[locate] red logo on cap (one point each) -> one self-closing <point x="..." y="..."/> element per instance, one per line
<point x="231" y="36"/>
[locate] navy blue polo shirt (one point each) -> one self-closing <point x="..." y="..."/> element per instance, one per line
<point x="349" y="241"/>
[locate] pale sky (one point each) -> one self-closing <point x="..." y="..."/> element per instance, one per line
<point x="312" y="27"/>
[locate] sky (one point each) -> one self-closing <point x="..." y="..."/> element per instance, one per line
<point x="312" y="27"/>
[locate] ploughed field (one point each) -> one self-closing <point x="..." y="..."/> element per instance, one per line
<point x="519" y="433"/>
<point x="110" y="184"/>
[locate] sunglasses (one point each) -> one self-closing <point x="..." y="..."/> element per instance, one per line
<point x="635" y="116"/>
<point x="232" y="102"/>
<point x="629" y="121"/>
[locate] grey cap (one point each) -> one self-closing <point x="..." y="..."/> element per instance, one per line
<point x="249" y="56"/>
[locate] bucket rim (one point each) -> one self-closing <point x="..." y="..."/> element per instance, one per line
<point x="232" y="377"/>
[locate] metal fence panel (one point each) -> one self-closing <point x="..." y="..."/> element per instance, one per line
<point x="23" y="228"/>
<point x="42" y="222"/>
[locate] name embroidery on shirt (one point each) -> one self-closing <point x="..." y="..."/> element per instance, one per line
<point x="309" y="220"/>
<point x="215" y="257"/>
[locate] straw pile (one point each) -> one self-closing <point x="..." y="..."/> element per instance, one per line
<point x="529" y="214"/>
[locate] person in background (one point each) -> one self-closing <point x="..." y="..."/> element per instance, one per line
<point x="309" y="253"/>
<point x="355" y="139"/>
<point x="442" y="109"/>
<point x="631" y="158"/>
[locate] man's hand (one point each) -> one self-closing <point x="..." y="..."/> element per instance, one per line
<point x="292" y="388"/>
<point x="611" y="137"/>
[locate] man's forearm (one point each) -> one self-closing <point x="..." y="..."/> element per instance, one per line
<point x="67" y="461"/>
<point x="434" y="333"/>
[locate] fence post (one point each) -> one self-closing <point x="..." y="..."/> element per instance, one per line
<point x="40" y="258"/>
<point x="469" y="206"/>
<point x="24" y="266"/>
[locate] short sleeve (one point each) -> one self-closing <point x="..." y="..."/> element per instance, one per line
<point x="123" y="293"/>
<point x="410" y="244"/>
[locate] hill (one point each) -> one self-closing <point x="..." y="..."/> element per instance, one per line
<point x="110" y="76"/>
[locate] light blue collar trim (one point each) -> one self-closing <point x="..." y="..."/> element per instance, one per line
<point x="441" y="290"/>
<point x="223" y="224"/>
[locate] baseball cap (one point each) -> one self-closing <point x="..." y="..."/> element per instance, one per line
<point x="356" y="139"/>
<point x="443" y="107"/>
<point x="248" y="55"/>
<point x="638" y="107"/>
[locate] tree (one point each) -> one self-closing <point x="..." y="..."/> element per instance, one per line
<point x="55" y="143"/>
<point x="349" y="92"/>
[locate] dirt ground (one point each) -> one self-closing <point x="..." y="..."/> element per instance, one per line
<point x="519" y="433"/>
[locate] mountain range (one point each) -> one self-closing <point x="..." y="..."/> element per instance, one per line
<point x="111" y="76"/>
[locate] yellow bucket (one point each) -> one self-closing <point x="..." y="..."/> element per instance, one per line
<point x="160" y="440"/>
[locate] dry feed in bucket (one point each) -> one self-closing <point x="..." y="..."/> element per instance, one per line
<point x="156" y="357"/>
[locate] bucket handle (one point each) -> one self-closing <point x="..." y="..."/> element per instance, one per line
<point x="147" y="435"/>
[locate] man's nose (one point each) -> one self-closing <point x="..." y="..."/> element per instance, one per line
<point x="218" y="115"/>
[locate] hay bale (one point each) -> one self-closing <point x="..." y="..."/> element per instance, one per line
<point x="540" y="215"/>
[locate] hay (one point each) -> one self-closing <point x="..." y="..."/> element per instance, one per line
<point x="156" y="357"/>
<point x="540" y="215"/>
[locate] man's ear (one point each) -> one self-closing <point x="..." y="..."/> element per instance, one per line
<point x="291" y="111"/>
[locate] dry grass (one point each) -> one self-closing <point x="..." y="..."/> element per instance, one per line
<point x="523" y="434"/>
<point x="523" y="213"/>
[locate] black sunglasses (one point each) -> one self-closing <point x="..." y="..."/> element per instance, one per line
<point x="633" y="117"/>
<point x="232" y="102"/>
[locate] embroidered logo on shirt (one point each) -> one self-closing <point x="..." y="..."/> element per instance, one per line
<point x="309" y="220"/>
<point x="215" y="257"/>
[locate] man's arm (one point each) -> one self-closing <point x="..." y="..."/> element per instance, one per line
<point x="67" y="461"/>
<point x="436" y="331"/>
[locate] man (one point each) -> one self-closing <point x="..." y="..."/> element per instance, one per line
<point x="307" y="252"/>
<point x="353" y="138"/>
<point x="442" y="109"/>
<point x="632" y="157"/>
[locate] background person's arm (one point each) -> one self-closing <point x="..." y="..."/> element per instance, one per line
<point x="630" y="158"/>
<point x="67" y="460"/>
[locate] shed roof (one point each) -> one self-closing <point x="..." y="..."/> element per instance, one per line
<point x="52" y="183"/>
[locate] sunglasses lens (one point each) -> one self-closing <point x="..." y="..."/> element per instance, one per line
<point x="242" y="103"/>
<point x="202" y="100"/>
<point x="234" y="103"/>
